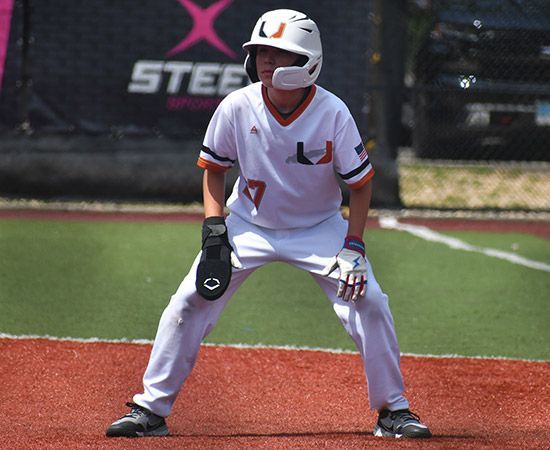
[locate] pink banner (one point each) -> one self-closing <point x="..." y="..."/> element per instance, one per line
<point x="6" y="7"/>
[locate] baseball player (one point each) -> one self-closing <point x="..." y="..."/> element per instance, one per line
<point x="293" y="140"/>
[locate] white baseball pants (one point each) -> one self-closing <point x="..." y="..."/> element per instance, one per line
<point x="189" y="318"/>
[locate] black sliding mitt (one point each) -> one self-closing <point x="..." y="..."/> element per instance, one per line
<point x="217" y="259"/>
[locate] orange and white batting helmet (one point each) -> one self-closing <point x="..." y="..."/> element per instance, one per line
<point x="292" y="31"/>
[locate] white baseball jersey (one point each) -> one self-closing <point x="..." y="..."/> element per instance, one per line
<point x="288" y="165"/>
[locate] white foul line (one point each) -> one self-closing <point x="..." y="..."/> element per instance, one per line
<point x="391" y="223"/>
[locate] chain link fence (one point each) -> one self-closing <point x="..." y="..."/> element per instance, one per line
<point x="474" y="184"/>
<point x="476" y="117"/>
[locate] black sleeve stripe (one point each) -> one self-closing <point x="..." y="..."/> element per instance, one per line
<point x="354" y="172"/>
<point x="205" y="149"/>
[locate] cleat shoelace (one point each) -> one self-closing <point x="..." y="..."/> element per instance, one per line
<point x="136" y="411"/>
<point x="406" y="417"/>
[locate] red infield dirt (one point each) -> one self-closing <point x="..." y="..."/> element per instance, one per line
<point x="63" y="395"/>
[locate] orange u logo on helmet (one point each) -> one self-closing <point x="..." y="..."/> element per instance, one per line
<point x="275" y="35"/>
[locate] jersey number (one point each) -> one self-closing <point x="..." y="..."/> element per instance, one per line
<point x="254" y="190"/>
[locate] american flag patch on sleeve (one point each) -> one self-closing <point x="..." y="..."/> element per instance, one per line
<point x="360" y="149"/>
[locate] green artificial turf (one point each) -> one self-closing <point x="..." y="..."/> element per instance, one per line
<point x="452" y="301"/>
<point x="112" y="280"/>
<point x="88" y="279"/>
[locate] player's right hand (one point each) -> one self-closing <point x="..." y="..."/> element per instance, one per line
<point x="351" y="261"/>
<point x="217" y="259"/>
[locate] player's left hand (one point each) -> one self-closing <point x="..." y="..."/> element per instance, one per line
<point x="353" y="269"/>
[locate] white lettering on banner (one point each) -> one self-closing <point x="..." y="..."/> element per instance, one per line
<point x="233" y="77"/>
<point x="203" y="78"/>
<point x="177" y="70"/>
<point x="146" y="77"/>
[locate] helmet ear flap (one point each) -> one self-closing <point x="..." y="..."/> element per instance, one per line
<point x="250" y="66"/>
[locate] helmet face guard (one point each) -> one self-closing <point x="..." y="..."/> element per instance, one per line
<point x="294" y="32"/>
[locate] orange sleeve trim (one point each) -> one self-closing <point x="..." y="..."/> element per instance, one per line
<point x="359" y="184"/>
<point x="208" y="165"/>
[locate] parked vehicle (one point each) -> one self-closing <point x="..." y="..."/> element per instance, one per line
<point x="482" y="81"/>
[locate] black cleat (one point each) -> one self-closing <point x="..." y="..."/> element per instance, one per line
<point x="138" y="423"/>
<point x="401" y="423"/>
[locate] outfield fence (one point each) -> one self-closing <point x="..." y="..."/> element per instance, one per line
<point x="110" y="100"/>
<point x="476" y="108"/>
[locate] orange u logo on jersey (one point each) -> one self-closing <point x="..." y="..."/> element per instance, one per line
<point x="303" y="159"/>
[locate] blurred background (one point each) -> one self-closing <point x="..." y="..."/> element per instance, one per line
<point x="109" y="100"/>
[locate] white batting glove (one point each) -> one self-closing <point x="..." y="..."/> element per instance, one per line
<point x="353" y="269"/>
